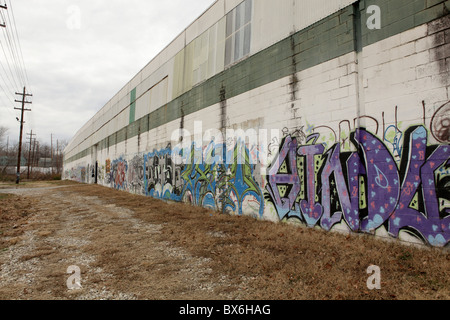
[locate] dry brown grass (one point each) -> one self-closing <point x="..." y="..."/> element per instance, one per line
<point x="151" y="249"/>
<point x="14" y="213"/>
<point x="286" y="262"/>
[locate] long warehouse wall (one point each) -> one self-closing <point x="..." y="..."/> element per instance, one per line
<point x="346" y="125"/>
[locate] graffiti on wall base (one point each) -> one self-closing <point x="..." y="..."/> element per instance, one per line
<point x="366" y="181"/>
<point x="365" y="189"/>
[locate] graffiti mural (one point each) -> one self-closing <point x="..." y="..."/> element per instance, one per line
<point x="162" y="178"/>
<point x="77" y="174"/>
<point x="135" y="175"/>
<point x="440" y="124"/>
<point x="366" y="188"/>
<point x="119" y="170"/>
<point x="223" y="182"/>
<point x="107" y="179"/>
<point x="203" y="181"/>
<point x="101" y="174"/>
<point x="391" y="179"/>
<point x="210" y="183"/>
<point x="240" y="185"/>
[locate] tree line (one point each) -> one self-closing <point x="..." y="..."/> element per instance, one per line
<point x="39" y="160"/>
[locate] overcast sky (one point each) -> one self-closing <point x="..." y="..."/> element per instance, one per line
<point x="79" y="54"/>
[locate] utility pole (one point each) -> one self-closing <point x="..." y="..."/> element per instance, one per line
<point x="36" y="157"/>
<point x="51" y="150"/>
<point x="4" y="23"/>
<point x="29" y="153"/>
<point x="57" y="156"/>
<point x="24" y="95"/>
<point x="34" y="153"/>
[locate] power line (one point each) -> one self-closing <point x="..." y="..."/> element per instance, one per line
<point x="20" y="47"/>
<point x="7" y="88"/>
<point x="13" y="55"/>
<point x="6" y="104"/>
<point x="14" y="48"/>
<point x="4" y="52"/>
<point x="6" y="74"/>
<point x="7" y="93"/>
<point x="3" y="25"/>
<point x="9" y="65"/>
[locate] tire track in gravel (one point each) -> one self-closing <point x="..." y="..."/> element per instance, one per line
<point x="120" y="256"/>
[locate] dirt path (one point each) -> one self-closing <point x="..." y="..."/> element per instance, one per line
<point x="133" y="247"/>
<point x="110" y="246"/>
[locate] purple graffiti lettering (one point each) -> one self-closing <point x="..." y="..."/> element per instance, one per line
<point x="348" y="197"/>
<point x="311" y="211"/>
<point x="366" y="189"/>
<point x="382" y="180"/>
<point x="287" y="155"/>
<point x="419" y="180"/>
<point x="351" y="203"/>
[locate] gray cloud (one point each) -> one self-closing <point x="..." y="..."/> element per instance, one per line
<point x="78" y="54"/>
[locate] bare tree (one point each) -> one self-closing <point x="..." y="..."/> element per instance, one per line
<point x="3" y="132"/>
<point x="61" y="145"/>
<point x="3" y="152"/>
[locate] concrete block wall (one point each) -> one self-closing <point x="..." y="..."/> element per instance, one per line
<point x="349" y="127"/>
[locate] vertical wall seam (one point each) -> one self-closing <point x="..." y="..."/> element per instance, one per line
<point x="358" y="47"/>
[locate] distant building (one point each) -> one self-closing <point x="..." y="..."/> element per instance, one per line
<point x="45" y="162"/>
<point x="11" y="161"/>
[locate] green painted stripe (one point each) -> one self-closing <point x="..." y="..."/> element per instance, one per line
<point x="133" y="105"/>
<point x="325" y="40"/>
<point x="398" y="16"/>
